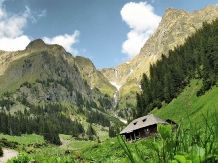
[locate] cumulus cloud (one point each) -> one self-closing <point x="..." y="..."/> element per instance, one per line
<point x="66" y="41"/>
<point x="142" y="21"/>
<point x="11" y="28"/>
<point x="11" y="31"/>
<point x="13" y="44"/>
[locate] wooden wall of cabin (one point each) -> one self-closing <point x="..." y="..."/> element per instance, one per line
<point x="141" y="133"/>
<point x="147" y="131"/>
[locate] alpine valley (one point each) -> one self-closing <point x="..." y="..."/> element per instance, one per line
<point x="46" y="92"/>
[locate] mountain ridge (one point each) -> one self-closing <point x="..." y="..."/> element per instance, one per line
<point x="47" y="73"/>
<point x="174" y="28"/>
<point x="120" y="82"/>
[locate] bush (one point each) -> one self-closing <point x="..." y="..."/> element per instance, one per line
<point x="8" y="144"/>
<point x="22" y="158"/>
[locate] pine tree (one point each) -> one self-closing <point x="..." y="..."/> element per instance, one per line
<point x="139" y="107"/>
<point x="91" y="132"/>
<point x="1" y="151"/>
<point x="112" y="132"/>
<point x="50" y="134"/>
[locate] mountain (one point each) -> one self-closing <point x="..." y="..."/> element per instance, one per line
<point x="174" y="28"/>
<point x="47" y="73"/>
<point x="94" y="77"/>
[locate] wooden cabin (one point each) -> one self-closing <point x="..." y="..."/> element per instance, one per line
<point x="142" y="127"/>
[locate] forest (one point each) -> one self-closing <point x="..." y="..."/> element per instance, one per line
<point x="47" y="121"/>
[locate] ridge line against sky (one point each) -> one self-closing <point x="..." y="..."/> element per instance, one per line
<point x="107" y="32"/>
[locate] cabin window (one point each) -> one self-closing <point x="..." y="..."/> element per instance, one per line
<point x="144" y="120"/>
<point x="135" y="123"/>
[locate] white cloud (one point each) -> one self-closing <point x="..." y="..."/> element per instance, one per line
<point x="143" y="22"/>
<point x="11" y="28"/>
<point x="11" y="31"/>
<point x="65" y="40"/>
<point x="42" y="14"/>
<point x="13" y="44"/>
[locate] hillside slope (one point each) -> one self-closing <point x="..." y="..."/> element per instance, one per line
<point x="187" y="107"/>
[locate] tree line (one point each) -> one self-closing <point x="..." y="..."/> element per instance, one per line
<point x="98" y="118"/>
<point x="196" y="58"/>
<point x="46" y="120"/>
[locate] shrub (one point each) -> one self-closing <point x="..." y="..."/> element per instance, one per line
<point x="8" y="144"/>
<point x="22" y="158"/>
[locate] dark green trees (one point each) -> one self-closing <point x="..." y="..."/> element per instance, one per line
<point x="47" y="121"/>
<point x="91" y="133"/>
<point x="1" y="151"/>
<point x="112" y="132"/>
<point x="97" y="117"/>
<point x="50" y="134"/>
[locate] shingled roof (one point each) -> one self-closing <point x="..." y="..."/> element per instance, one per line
<point x="142" y="122"/>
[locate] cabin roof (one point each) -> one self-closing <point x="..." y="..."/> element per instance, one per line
<point x="142" y="122"/>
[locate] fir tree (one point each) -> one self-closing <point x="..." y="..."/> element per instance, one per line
<point x="1" y="151"/>
<point x="91" y="133"/>
<point x="112" y="132"/>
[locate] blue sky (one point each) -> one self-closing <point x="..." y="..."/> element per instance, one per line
<point x="109" y="32"/>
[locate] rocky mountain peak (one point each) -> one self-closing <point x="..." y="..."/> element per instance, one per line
<point x="36" y="44"/>
<point x="174" y="13"/>
<point x="175" y="26"/>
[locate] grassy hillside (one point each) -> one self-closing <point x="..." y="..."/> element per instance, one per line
<point x="187" y="106"/>
<point x="93" y="77"/>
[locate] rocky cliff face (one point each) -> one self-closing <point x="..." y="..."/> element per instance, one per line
<point x="174" y="28"/>
<point x="43" y="73"/>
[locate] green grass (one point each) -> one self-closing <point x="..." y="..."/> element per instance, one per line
<point x="24" y="139"/>
<point x="70" y="143"/>
<point x="188" y="106"/>
<point x="108" y="151"/>
<point x="76" y="144"/>
<point x="65" y="137"/>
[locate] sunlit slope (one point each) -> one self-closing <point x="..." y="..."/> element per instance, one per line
<point x="187" y="106"/>
<point x="93" y="77"/>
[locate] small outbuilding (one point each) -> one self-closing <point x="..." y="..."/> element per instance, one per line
<point x="142" y="127"/>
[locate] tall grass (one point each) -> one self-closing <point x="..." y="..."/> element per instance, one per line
<point x="197" y="144"/>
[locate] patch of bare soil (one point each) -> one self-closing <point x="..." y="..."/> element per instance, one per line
<point x="8" y="154"/>
<point x="65" y="143"/>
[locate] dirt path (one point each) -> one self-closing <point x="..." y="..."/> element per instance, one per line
<point x="65" y="143"/>
<point x="8" y="154"/>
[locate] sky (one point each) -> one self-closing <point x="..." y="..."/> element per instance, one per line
<point x="108" y="32"/>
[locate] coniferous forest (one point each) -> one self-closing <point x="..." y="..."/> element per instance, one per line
<point x="196" y="58"/>
<point x="47" y="121"/>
